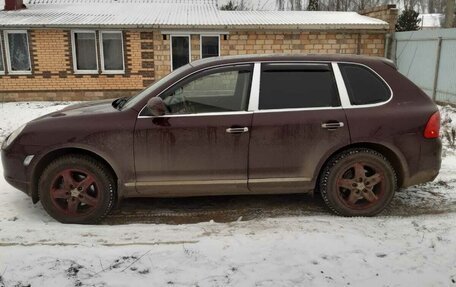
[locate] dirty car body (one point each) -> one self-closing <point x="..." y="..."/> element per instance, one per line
<point x="236" y="125"/>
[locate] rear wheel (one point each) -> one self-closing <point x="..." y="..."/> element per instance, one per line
<point x="358" y="182"/>
<point x="77" y="189"/>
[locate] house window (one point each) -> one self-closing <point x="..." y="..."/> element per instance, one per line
<point x="2" y="64"/>
<point x="210" y="46"/>
<point x="17" y="52"/>
<point x="84" y="52"/>
<point x="180" y="51"/>
<point x="112" y="54"/>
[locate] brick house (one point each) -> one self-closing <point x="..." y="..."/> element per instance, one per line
<point x="93" y="49"/>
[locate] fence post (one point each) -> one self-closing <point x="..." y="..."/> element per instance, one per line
<point x="395" y="50"/>
<point x="437" y="68"/>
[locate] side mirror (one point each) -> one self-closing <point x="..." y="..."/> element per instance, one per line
<point x="156" y="106"/>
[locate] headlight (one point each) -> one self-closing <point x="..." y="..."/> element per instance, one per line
<point x="13" y="136"/>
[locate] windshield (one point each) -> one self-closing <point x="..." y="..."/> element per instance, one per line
<point x="144" y="93"/>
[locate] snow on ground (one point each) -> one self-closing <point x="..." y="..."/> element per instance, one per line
<point x="412" y="244"/>
<point x="13" y="115"/>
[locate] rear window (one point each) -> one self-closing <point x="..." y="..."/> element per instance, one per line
<point x="364" y="86"/>
<point x="297" y="86"/>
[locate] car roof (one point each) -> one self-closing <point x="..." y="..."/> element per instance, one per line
<point x="291" y="58"/>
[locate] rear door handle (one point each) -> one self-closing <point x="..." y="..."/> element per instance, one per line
<point x="332" y="125"/>
<point x="237" y="130"/>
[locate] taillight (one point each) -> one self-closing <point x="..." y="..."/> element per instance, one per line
<point x="432" y="129"/>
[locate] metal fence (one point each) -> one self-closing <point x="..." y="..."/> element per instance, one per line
<point x="428" y="58"/>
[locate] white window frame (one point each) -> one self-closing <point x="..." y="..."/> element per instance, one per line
<point x="171" y="47"/>
<point x="201" y="44"/>
<point x="2" y="72"/>
<point x="100" y="39"/>
<point x="73" y="47"/>
<point x="7" y="52"/>
<point x="343" y="93"/>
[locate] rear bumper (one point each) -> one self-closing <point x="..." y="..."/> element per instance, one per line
<point x="429" y="163"/>
<point x="421" y="177"/>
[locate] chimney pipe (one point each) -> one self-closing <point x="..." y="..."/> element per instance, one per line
<point x="14" y="5"/>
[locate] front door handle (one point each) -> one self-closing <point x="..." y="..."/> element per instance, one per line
<point x="333" y="125"/>
<point x="237" y="130"/>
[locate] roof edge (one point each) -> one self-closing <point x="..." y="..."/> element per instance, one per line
<point x="304" y="27"/>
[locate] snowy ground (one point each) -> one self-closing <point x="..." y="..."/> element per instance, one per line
<point x="251" y="241"/>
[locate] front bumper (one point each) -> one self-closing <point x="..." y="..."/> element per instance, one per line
<point x="14" y="171"/>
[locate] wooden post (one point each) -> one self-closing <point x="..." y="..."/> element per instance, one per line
<point x="437" y="68"/>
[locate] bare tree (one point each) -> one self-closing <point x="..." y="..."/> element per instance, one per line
<point x="421" y="6"/>
<point x="239" y="5"/>
<point x="430" y="6"/>
<point x="297" y="5"/>
<point x="411" y="4"/>
<point x="280" y="4"/>
<point x="449" y="14"/>
<point x="242" y="5"/>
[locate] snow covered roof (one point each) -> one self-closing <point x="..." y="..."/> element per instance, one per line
<point x="434" y="20"/>
<point x="174" y="14"/>
<point x="191" y="2"/>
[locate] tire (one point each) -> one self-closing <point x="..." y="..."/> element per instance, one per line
<point x="77" y="189"/>
<point x="358" y="182"/>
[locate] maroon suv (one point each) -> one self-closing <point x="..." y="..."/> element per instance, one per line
<point x="351" y="127"/>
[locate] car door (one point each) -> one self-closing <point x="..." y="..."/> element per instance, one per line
<point x="298" y="123"/>
<point x="201" y="145"/>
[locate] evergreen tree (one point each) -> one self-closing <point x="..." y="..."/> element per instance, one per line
<point x="408" y="21"/>
<point x="230" y="6"/>
<point x="313" y="5"/>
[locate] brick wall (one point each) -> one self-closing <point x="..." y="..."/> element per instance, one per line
<point x="53" y="77"/>
<point x="147" y="57"/>
<point x="162" y="59"/>
<point x="268" y="42"/>
<point x="303" y="42"/>
<point x="387" y="13"/>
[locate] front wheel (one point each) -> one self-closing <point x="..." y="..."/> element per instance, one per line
<point x="358" y="182"/>
<point x="76" y="189"/>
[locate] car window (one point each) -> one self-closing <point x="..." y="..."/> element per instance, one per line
<point x="221" y="90"/>
<point x="297" y="86"/>
<point x="363" y="85"/>
<point x="157" y="84"/>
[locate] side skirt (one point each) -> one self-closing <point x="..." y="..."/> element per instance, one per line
<point x="189" y="188"/>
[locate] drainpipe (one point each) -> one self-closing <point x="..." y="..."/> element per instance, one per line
<point x="358" y="46"/>
<point x="387" y="44"/>
<point x="395" y="51"/>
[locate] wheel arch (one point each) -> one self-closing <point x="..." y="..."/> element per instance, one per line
<point x="45" y="160"/>
<point x="396" y="159"/>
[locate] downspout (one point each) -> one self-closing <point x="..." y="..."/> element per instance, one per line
<point x="358" y="48"/>
<point x="387" y="44"/>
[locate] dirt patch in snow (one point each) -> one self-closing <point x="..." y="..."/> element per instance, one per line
<point x="272" y="240"/>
